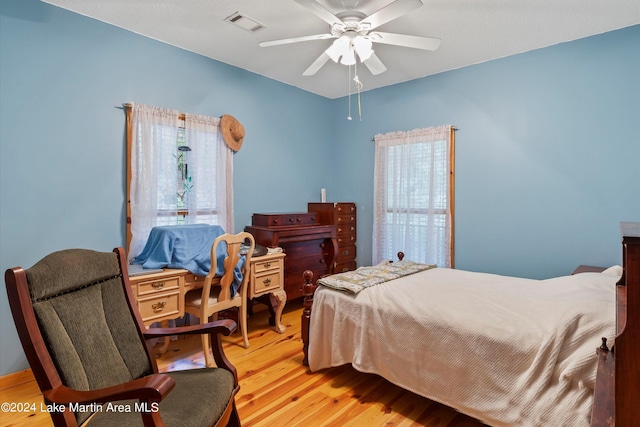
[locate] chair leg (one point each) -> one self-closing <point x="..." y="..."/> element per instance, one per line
<point x="243" y="324"/>
<point x="234" y="420"/>
<point x="206" y="348"/>
<point x="206" y="344"/>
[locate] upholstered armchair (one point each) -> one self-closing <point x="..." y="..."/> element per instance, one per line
<point x="85" y="341"/>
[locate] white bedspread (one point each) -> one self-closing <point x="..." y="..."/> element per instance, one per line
<point x="507" y="351"/>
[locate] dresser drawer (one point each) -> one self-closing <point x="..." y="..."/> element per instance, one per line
<point x="342" y="267"/>
<point x="267" y="282"/>
<point x="164" y="305"/>
<point x="346" y="229"/>
<point x="158" y="285"/>
<point x="284" y="219"/>
<point x="346" y="253"/>
<point x="346" y="219"/>
<point x="346" y="208"/>
<point x="267" y="265"/>
<point x="296" y="266"/>
<point x="346" y="239"/>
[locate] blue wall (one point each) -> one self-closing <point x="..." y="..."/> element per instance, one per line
<point x="62" y="171"/>
<point x="546" y="155"/>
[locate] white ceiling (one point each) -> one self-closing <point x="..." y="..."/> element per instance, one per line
<point x="471" y="31"/>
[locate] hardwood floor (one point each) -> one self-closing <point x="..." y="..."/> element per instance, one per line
<point x="276" y="390"/>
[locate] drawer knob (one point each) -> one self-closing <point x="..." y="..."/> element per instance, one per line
<point x="345" y="252"/>
<point x="267" y="281"/>
<point x="159" y="306"/>
<point x="158" y="285"/>
<point x="267" y="264"/>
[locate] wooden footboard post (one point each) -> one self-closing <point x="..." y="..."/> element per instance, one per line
<point x="617" y="388"/>
<point x="307" y="292"/>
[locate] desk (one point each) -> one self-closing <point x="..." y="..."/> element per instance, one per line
<point x="160" y="295"/>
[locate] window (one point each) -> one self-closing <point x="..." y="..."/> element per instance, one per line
<point x="179" y="172"/>
<point x="413" y="195"/>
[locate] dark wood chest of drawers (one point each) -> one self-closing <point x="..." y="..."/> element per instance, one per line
<point x="343" y="216"/>
<point x="308" y="245"/>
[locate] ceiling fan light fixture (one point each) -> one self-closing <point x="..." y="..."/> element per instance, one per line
<point x="363" y="48"/>
<point x="348" y="57"/>
<point x="338" y="48"/>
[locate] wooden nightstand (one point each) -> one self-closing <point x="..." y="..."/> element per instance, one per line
<point x="266" y="285"/>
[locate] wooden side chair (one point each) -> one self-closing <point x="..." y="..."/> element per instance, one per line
<point x="85" y="341"/>
<point x="207" y="302"/>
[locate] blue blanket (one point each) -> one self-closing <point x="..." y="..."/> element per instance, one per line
<point x="188" y="247"/>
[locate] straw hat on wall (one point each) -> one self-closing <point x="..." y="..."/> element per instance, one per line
<point x="232" y="132"/>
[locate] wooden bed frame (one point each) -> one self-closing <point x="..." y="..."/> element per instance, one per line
<point x="617" y="388"/>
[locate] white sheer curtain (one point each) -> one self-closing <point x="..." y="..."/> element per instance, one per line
<point x="154" y="134"/>
<point x="211" y="166"/>
<point x="181" y="172"/>
<point x="412" y="191"/>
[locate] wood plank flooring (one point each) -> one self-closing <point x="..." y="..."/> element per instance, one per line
<point x="275" y="389"/>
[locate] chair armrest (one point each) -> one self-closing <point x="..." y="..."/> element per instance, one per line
<point x="153" y="387"/>
<point x="225" y="327"/>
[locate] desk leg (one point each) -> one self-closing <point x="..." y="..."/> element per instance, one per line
<point x="279" y="299"/>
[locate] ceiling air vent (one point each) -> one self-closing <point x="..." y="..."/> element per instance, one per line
<point x="245" y="22"/>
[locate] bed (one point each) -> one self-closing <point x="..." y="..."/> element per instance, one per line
<point x="507" y="351"/>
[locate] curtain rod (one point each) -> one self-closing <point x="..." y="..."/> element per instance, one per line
<point x="181" y="116"/>
<point x="455" y="129"/>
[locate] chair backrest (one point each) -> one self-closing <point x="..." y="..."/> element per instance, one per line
<point x="227" y="249"/>
<point x="74" y="317"/>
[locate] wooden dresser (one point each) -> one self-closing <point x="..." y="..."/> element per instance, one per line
<point x="343" y="216"/>
<point x="308" y="245"/>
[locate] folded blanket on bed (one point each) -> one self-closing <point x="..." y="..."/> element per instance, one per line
<point x="364" y="277"/>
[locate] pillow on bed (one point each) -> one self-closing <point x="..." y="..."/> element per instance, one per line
<point x="616" y="270"/>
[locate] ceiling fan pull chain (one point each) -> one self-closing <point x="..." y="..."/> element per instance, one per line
<point x="359" y="86"/>
<point x="349" y="82"/>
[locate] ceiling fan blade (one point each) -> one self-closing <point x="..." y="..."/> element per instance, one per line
<point x="320" y="11"/>
<point x="375" y="65"/>
<point x="296" y="40"/>
<point x="391" y="12"/>
<point x="416" y="42"/>
<point x="317" y="64"/>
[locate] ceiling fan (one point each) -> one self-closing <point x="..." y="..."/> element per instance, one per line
<point x="353" y="31"/>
